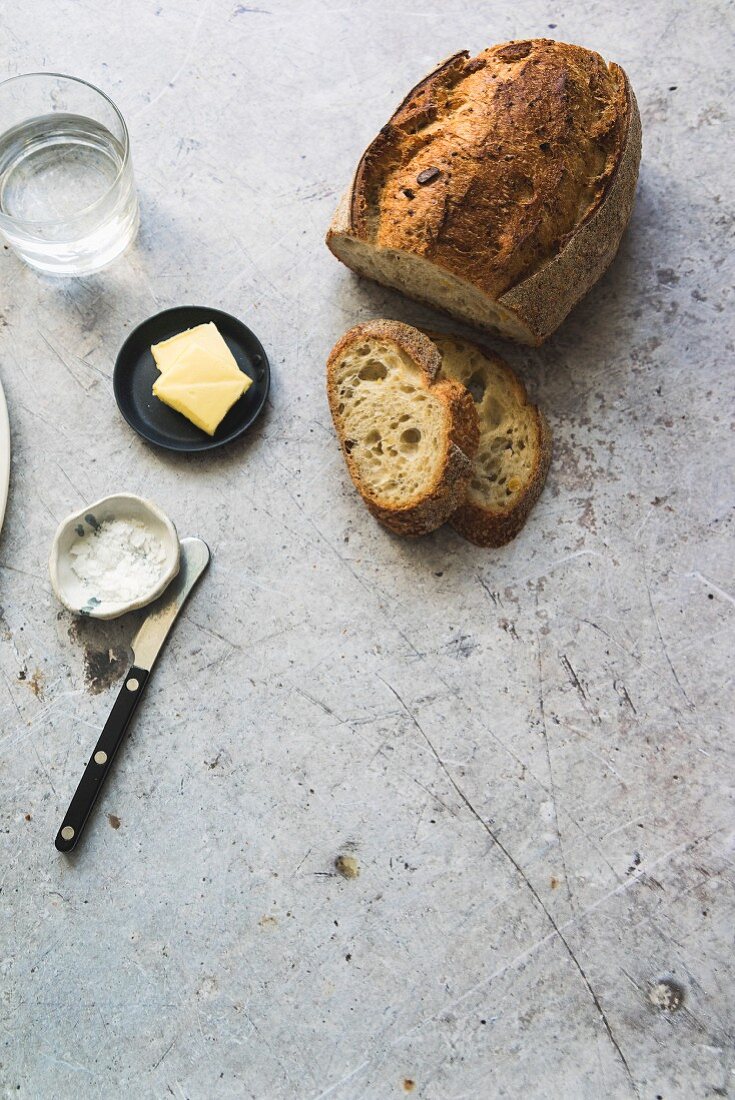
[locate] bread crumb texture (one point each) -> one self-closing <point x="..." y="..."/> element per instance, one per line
<point x="392" y="425"/>
<point x="514" y="453"/>
<point x="506" y="458"/>
<point x="408" y="437"/>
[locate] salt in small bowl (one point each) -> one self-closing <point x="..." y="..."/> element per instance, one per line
<point x="77" y="596"/>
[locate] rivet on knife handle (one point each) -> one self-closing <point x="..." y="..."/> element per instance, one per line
<point x="101" y="759"/>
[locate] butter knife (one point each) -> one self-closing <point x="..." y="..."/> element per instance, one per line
<point x="147" y="644"/>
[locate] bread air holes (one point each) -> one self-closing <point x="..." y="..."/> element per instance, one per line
<point x="374" y="441"/>
<point x="493" y="413"/>
<point x="490" y="465"/>
<point x="476" y="386"/>
<point x="373" y="371"/>
<point x="410" y="439"/>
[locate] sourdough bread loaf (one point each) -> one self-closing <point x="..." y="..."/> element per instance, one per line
<point x="500" y="188"/>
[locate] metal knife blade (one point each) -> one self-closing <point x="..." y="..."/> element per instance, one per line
<point x="148" y="642"/>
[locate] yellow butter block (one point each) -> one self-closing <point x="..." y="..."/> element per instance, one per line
<point x="201" y="387"/>
<point x="206" y="336"/>
<point x="195" y="367"/>
<point x="197" y="362"/>
<point x="206" y="404"/>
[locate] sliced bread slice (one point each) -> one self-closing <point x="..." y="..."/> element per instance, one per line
<point x="514" y="453"/>
<point x="408" y="438"/>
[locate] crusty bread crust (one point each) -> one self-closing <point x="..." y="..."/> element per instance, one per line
<point x="493" y="527"/>
<point x="514" y="173"/>
<point x="460" y="441"/>
<point x="545" y="298"/>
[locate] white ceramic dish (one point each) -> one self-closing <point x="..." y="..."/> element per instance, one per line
<point x="4" y="455"/>
<point x="80" y="598"/>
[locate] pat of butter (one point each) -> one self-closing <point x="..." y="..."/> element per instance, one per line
<point x="198" y="362"/>
<point x="201" y="387"/>
<point x="205" y="405"/>
<point x="206" y="336"/>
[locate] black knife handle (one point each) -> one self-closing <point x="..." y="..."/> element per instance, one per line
<point x="101" y="759"/>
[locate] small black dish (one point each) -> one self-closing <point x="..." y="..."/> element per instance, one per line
<point x="136" y="371"/>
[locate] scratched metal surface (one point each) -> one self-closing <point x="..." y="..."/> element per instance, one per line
<point x="526" y="751"/>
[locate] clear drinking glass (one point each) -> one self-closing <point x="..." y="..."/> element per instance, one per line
<point x="67" y="197"/>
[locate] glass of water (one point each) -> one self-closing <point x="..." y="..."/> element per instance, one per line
<point x="67" y="197"/>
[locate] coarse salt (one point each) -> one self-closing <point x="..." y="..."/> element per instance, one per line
<point x="119" y="560"/>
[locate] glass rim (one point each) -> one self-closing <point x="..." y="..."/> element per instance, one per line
<point x="8" y="218"/>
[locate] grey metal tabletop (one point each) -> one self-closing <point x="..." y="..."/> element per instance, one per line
<point x="526" y="752"/>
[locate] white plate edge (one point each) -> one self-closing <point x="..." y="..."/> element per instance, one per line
<point x="4" y="454"/>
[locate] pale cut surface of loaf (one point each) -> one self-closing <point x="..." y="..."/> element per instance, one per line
<point x="408" y="437"/>
<point x="500" y="188"/>
<point x="514" y="453"/>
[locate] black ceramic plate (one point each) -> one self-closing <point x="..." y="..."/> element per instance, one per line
<point x="135" y="372"/>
